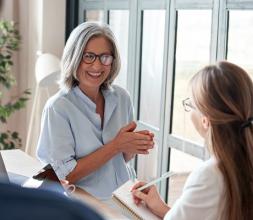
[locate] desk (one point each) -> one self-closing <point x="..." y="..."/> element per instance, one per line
<point x="21" y="166"/>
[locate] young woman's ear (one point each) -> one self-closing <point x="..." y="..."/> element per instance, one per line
<point x="205" y="122"/>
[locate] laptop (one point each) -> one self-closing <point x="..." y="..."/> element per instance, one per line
<point x="3" y="172"/>
<point x="45" y="179"/>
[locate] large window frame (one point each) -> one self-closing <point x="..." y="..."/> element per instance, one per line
<point x="218" y="51"/>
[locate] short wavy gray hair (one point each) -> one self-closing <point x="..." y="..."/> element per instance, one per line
<point x="73" y="52"/>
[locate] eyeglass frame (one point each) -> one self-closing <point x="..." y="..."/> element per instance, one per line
<point x="97" y="56"/>
<point x="187" y="105"/>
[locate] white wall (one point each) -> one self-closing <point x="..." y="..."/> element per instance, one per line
<point x="42" y="27"/>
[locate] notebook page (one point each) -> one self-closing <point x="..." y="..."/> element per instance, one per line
<point x="124" y="196"/>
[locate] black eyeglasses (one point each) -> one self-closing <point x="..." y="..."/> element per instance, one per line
<point x="188" y="106"/>
<point x="105" y="59"/>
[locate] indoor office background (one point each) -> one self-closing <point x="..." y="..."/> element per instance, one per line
<point x="162" y="44"/>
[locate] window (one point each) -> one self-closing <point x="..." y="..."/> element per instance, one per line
<point x="240" y="35"/>
<point x="94" y="15"/>
<point x="192" y="53"/>
<point x="119" y="22"/>
<point x="151" y="66"/>
<point x="183" y="164"/>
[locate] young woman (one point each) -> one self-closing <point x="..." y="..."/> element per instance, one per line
<point x="221" y="106"/>
<point x="87" y="132"/>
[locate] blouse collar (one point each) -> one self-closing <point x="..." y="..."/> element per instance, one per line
<point x="109" y="96"/>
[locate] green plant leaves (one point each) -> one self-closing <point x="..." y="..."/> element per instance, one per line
<point x="9" y="140"/>
<point x="9" y="36"/>
<point x="7" y="109"/>
<point x="9" y="42"/>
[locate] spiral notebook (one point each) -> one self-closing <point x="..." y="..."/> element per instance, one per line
<point x="123" y="198"/>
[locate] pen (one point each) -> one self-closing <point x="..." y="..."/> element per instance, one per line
<point x="164" y="176"/>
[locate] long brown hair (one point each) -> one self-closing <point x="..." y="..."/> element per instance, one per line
<point x="224" y="94"/>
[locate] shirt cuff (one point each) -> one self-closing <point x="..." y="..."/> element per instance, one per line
<point x="64" y="167"/>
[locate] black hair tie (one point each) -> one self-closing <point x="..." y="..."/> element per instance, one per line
<point x="247" y="123"/>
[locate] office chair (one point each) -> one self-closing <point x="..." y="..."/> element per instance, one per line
<point x="47" y="73"/>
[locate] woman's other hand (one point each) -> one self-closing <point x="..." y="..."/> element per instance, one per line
<point x="128" y="141"/>
<point x="151" y="198"/>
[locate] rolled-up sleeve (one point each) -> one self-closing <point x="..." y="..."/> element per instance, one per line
<point x="56" y="143"/>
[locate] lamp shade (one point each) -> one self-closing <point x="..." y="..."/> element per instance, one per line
<point x="47" y="69"/>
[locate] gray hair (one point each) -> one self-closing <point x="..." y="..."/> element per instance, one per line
<point x="73" y="52"/>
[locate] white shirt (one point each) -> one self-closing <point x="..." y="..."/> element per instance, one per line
<point x="202" y="195"/>
<point x="71" y="129"/>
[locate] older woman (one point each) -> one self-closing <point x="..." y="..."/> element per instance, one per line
<point x="87" y="131"/>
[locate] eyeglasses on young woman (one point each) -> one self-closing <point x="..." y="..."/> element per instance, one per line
<point x="188" y="106"/>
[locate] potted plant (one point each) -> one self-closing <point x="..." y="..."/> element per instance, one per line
<point x="9" y="42"/>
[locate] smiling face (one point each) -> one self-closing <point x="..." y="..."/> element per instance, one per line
<point x="91" y="76"/>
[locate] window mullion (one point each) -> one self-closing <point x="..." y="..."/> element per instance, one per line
<point x="222" y="31"/>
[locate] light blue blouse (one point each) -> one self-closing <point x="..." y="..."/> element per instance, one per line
<point x="71" y="129"/>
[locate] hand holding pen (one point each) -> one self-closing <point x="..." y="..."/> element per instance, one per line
<point x="147" y="193"/>
<point x="151" y="198"/>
